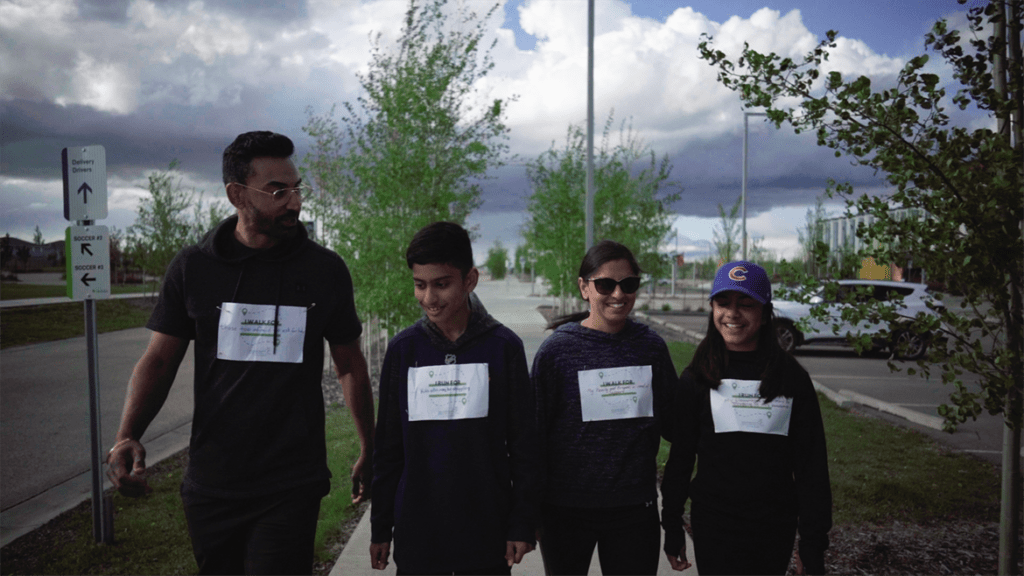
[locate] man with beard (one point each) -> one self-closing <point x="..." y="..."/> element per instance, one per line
<point x="259" y="298"/>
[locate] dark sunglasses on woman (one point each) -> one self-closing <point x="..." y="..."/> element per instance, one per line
<point x="606" y="286"/>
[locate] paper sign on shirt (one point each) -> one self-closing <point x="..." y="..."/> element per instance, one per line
<point x="616" y="393"/>
<point x="448" y="392"/>
<point x="737" y="407"/>
<point x="246" y="333"/>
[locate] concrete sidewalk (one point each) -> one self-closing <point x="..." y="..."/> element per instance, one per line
<point x="355" y="558"/>
<point x="510" y="303"/>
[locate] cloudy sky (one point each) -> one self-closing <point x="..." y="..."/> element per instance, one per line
<point x="153" y="81"/>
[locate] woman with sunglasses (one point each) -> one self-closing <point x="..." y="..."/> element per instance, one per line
<point x="747" y="414"/>
<point x="603" y="384"/>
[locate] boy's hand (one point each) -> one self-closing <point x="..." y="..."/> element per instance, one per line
<point x="379" y="555"/>
<point x="515" y="550"/>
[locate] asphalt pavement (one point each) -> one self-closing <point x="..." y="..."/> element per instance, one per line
<point x="45" y="438"/>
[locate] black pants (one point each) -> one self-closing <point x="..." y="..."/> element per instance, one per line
<point x="730" y="547"/>
<point x="496" y="570"/>
<point x="628" y="539"/>
<point x="270" y="534"/>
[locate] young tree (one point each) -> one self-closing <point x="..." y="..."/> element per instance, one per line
<point x="630" y="204"/>
<point x="410" y="151"/>
<point x="725" y="237"/>
<point x="37" y="236"/>
<point x="968" y="181"/>
<point x="162" y="224"/>
<point x="497" y="257"/>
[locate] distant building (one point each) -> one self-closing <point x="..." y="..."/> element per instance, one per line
<point x="841" y="233"/>
<point x="39" y="255"/>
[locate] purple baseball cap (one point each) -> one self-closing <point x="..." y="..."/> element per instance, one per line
<point x="745" y="277"/>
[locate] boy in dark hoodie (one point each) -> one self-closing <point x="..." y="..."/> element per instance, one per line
<point x="455" y="462"/>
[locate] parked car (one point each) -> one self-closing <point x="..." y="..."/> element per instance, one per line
<point x="903" y="343"/>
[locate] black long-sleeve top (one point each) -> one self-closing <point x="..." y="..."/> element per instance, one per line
<point x="748" y="479"/>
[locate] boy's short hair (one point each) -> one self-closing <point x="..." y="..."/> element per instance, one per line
<point x="441" y="243"/>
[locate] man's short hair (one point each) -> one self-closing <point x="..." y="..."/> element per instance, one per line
<point x="237" y="166"/>
<point x="441" y="243"/>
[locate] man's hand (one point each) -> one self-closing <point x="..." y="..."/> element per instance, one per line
<point x="362" y="479"/>
<point x="127" y="468"/>
<point x="679" y="562"/>
<point x="379" y="555"/>
<point x="515" y="550"/>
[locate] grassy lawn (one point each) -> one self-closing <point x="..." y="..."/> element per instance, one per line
<point x="19" y="291"/>
<point x="29" y="325"/>
<point x="151" y="536"/>
<point x="880" y="474"/>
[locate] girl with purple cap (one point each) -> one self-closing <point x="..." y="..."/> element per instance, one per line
<point x="748" y="412"/>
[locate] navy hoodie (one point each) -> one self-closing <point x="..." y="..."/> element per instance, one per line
<point x="258" y="427"/>
<point x="608" y="463"/>
<point x="452" y="492"/>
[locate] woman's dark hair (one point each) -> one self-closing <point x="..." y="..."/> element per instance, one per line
<point x="711" y="358"/>
<point x="238" y="156"/>
<point x="599" y="254"/>
<point x="441" y="243"/>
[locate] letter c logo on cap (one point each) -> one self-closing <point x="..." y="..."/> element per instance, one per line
<point x="738" y="274"/>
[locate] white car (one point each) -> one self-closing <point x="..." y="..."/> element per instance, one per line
<point x="907" y="345"/>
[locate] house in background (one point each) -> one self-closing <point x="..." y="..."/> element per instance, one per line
<point x="39" y="256"/>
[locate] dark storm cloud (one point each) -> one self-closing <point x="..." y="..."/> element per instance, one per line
<point x="35" y="132"/>
<point x="105" y="10"/>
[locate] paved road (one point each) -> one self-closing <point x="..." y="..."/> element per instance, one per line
<point x="44" y="438"/>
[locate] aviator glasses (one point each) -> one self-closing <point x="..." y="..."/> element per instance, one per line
<point x="606" y="286"/>
<point x="282" y="194"/>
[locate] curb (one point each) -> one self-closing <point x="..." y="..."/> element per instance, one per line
<point x="689" y="335"/>
<point x="24" y="517"/>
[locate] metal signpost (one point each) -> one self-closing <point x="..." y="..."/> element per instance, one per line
<point x="87" y="253"/>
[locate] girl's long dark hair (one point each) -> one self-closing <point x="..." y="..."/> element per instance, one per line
<point x="599" y="254"/>
<point x="711" y="358"/>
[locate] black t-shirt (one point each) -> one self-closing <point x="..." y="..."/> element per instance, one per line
<point x="258" y="426"/>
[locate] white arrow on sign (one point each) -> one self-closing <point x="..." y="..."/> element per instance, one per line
<point x="85" y="182"/>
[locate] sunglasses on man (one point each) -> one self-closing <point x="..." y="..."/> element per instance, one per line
<point x="606" y="286"/>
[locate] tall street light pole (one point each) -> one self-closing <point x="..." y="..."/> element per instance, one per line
<point x="589" y="214"/>
<point x="746" y="117"/>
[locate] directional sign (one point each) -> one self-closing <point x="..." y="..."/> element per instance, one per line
<point x="87" y="252"/>
<point x="85" y="182"/>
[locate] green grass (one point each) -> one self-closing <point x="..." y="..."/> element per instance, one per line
<point x="19" y="291"/>
<point x="33" y="324"/>
<point x="336" y="508"/>
<point x="882" y="473"/>
<point x="151" y="536"/>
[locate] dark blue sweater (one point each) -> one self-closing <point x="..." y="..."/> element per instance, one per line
<point x="455" y="491"/>
<point x="600" y="463"/>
